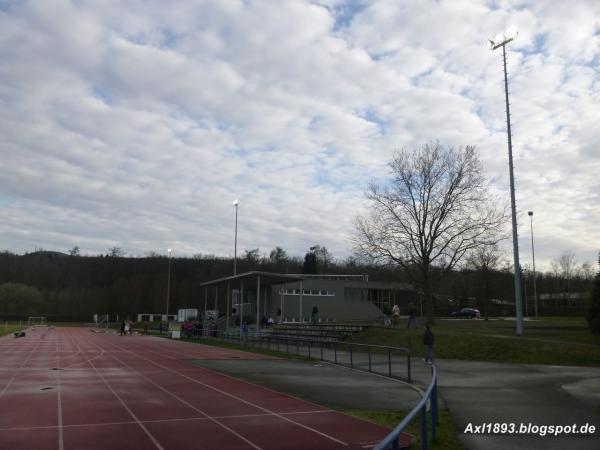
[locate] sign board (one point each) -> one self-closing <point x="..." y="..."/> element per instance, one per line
<point x="185" y="314"/>
<point x="212" y="314"/>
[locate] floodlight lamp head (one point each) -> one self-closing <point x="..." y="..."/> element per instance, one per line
<point x="235" y="202"/>
<point x="503" y="38"/>
<point x="530" y="213"/>
<point x="169" y="251"/>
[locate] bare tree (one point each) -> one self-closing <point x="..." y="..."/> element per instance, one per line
<point x="252" y="256"/>
<point x="485" y="260"/>
<point x="116" y="252"/>
<point x="587" y="273"/>
<point x="565" y="267"/>
<point x="435" y="209"/>
<point x="324" y="256"/>
<point x="278" y="255"/>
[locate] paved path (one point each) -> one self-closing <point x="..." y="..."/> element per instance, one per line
<point x="479" y="393"/>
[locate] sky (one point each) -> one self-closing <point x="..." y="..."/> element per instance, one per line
<point x="134" y="124"/>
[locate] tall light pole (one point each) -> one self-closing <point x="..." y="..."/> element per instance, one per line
<point x="535" y="300"/>
<point x="501" y="41"/>
<point x="235" y="203"/>
<point x="168" y="284"/>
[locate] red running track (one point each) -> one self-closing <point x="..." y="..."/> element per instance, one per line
<point x="74" y="388"/>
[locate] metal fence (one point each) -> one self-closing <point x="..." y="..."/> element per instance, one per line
<point x="393" y="362"/>
<point x="392" y="440"/>
<point x="384" y="360"/>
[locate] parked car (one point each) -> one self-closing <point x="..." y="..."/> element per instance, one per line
<point x="467" y="312"/>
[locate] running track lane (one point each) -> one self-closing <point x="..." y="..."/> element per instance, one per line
<point x="72" y="388"/>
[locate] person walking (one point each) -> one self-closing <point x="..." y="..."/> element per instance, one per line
<point x="428" y="342"/>
<point x="122" y="327"/>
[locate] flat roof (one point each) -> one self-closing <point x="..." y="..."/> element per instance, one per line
<point x="250" y="279"/>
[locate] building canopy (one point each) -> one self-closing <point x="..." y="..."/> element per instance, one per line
<point x="250" y="280"/>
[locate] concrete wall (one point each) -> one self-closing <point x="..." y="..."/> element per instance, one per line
<point x="345" y="299"/>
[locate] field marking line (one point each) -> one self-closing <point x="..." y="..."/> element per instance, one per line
<point x="61" y="442"/>
<point x="20" y="367"/>
<point x="205" y="369"/>
<point x="132" y="422"/>
<point x="227" y="394"/>
<point x="131" y="413"/>
<point x="206" y="416"/>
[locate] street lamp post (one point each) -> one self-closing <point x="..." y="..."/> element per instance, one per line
<point x="535" y="299"/>
<point x="235" y="203"/>
<point x="168" y="284"/>
<point x="501" y="41"/>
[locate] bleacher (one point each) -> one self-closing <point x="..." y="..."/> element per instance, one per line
<point x="321" y="332"/>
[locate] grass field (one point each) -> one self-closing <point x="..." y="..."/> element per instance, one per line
<point x="9" y="328"/>
<point x="556" y="341"/>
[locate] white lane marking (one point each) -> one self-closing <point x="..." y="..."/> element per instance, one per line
<point x="184" y="419"/>
<point x="20" y="367"/>
<point x="227" y="394"/>
<point x="131" y="413"/>
<point x="235" y="433"/>
<point x="61" y="442"/>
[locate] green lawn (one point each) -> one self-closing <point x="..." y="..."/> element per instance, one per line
<point x="9" y="328"/>
<point x="556" y="341"/>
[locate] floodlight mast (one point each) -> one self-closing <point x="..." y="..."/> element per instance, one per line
<point x="235" y="203"/>
<point x="517" y="266"/>
<point x="168" y="284"/>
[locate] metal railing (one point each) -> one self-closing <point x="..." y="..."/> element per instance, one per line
<point x="392" y="440"/>
<point x="346" y="354"/>
<point x="379" y="359"/>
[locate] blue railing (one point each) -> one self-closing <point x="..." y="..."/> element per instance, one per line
<point x="392" y="440"/>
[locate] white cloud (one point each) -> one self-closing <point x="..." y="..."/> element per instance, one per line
<point x="135" y="125"/>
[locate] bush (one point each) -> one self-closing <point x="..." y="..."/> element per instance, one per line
<point x="593" y="315"/>
<point x="17" y="298"/>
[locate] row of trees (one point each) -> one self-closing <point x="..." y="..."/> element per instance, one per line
<point x="433" y="223"/>
<point x="57" y="284"/>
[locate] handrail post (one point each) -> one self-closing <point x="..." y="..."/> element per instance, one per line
<point x="335" y="352"/>
<point x="434" y="411"/>
<point x="408" y="366"/>
<point x="424" y="442"/>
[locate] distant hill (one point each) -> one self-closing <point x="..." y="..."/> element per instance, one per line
<point x="48" y="254"/>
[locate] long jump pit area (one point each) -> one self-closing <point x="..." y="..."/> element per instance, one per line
<point x="80" y="388"/>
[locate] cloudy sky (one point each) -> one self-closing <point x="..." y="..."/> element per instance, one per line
<point x="136" y="124"/>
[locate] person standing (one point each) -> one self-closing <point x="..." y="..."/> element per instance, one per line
<point x="244" y="332"/>
<point x="396" y="314"/>
<point x="428" y="342"/>
<point x="412" y="317"/>
<point x="315" y="314"/>
<point x="122" y="327"/>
